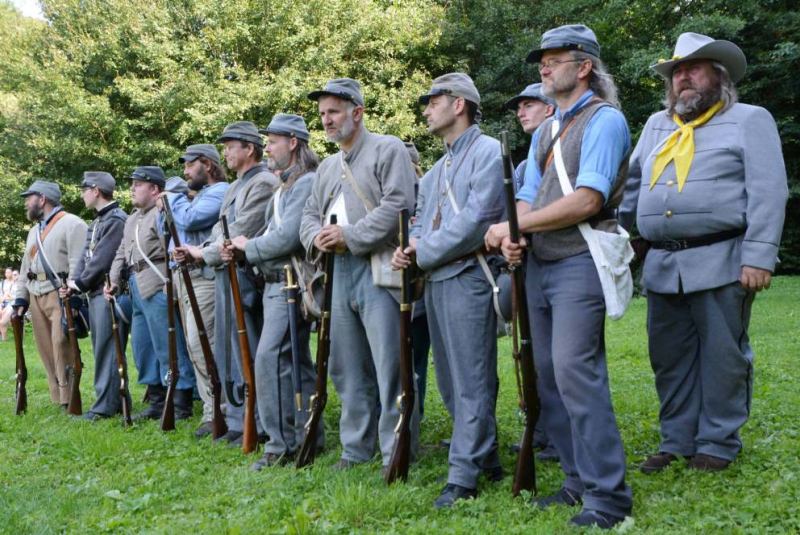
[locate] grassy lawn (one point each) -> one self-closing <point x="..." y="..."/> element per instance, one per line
<point x="58" y="475"/>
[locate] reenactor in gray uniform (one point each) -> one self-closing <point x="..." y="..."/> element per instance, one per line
<point x="102" y="241"/>
<point x="54" y="245"/>
<point x="565" y="296"/>
<point x="194" y="220"/>
<point x="143" y="253"/>
<point x="244" y="205"/>
<point x="365" y="185"/>
<point x="713" y="214"/>
<point x="459" y="198"/>
<point x="279" y="246"/>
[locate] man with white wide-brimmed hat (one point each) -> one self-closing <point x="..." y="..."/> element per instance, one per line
<point x="711" y="186"/>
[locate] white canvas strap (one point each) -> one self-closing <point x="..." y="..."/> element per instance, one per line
<point x="146" y="258"/>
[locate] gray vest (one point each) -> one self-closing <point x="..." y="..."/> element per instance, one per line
<point x="566" y="242"/>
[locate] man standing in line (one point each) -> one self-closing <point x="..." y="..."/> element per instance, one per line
<point x="279" y="246"/>
<point x="142" y="252"/>
<point x="459" y="198"/>
<point x="194" y="221"/>
<point x="711" y="186"/>
<point x="54" y="245"/>
<point x="365" y="185"/>
<point x="565" y="298"/>
<point x="102" y="241"/>
<point x="244" y="204"/>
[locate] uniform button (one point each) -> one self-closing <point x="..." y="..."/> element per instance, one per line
<point x="670" y="183"/>
<point x="668" y="213"/>
<point x="447" y="163"/>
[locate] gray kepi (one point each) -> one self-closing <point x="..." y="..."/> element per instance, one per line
<point x="697" y="46"/>
<point x="532" y="92"/>
<point x="100" y="180"/>
<point x="289" y="125"/>
<point x="49" y="190"/>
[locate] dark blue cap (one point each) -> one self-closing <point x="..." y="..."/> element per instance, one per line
<point x="149" y="173"/>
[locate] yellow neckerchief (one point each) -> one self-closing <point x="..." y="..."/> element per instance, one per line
<point x="680" y="147"/>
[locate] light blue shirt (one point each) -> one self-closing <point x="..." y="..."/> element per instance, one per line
<point x="606" y="142"/>
<point x="195" y="219"/>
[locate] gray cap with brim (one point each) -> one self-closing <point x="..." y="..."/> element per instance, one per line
<point x="532" y="92"/>
<point x="194" y="152"/>
<point x="149" y="173"/>
<point x="289" y="125"/>
<point x="49" y="190"/>
<point x="344" y="88"/>
<point x="454" y="84"/>
<point x="569" y="37"/>
<point x="243" y="131"/>
<point x="100" y="180"/>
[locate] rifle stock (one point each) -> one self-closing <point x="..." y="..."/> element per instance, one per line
<point x="75" y="370"/>
<point x="21" y="392"/>
<point x="250" y="433"/>
<point x="122" y="364"/>
<point x="401" y="452"/>
<point x="218" y="425"/>
<point x="320" y="398"/>
<point x="168" y="416"/>
<point x="525" y="473"/>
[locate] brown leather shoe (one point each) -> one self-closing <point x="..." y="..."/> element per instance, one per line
<point x="708" y="463"/>
<point x="656" y="463"/>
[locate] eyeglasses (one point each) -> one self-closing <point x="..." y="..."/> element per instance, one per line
<point x="552" y="64"/>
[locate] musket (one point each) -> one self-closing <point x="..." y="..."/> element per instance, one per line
<point x="250" y="434"/>
<point x="291" y="289"/>
<point x="168" y="416"/>
<point x="122" y="364"/>
<point x="21" y="393"/>
<point x="316" y="405"/>
<point x="74" y="370"/>
<point x="218" y="425"/>
<point x="401" y="452"/>
<point x="525" y="473"/>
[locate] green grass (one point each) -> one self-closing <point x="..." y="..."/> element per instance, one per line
<point x="58" y="475"/>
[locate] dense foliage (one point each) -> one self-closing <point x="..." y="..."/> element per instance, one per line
<point x="113" y="84"/>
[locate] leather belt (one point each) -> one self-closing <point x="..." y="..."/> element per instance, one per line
<point x="273" y="277"/>
<point x="141" y="265"/>
<point x="41" y="277"/>
<point x="699" y="241"/>
<point x="468" y="256"/>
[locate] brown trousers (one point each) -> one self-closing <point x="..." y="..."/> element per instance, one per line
<point x="53" y="345"/>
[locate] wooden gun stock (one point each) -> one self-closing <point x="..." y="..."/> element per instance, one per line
<point x="75" y="370"/>
<point x="168" y="415"/>
<point x="320" y="398"/>
<point x="21" y="392"/>
<point x="250" y="433"/>
<point x="122" y="364"/>
<point x="525" y="473"/>
<point x="218" y="425"/>
<point x="401" y="453"/>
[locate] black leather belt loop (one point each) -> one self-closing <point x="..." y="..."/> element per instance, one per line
<point x="699" y="241"/>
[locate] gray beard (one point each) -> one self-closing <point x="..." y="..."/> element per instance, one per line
<point x="697" y="105"/>
<point x="279" y="165"/>
<point x="344" y="132"/>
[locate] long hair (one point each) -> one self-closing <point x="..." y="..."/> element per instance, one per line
<point x="306" y="161"/>
<point x="724" y="90"/>
<point x="215" y="170"/>
<point x="601" y="82"/>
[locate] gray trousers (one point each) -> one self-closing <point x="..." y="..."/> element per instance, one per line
<point x="463" y="327"/>
<point x="204" y="291"/>
<point x="567" y="314"/>
<point x="365" y="364"/>
<point x="700" y="353"/>
<point x="106" y="371"/>
<point x="276" y="401"/>
<point x="251" y="304"/>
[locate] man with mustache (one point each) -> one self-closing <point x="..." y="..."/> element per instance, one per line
<point x="712" y="191"/>
<point x="194" y="221"/>
<point x="55" y="243"/>
<point x="365" y="185"/>
<point x="565" y="296"/>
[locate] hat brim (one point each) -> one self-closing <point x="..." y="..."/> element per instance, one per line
<point x="223" y="139"/>
<point x="725" y="52"/>
<point x="316" y="95"/>
<point x="28" y="193"/>
<point x="267" y="131"/>
<point x="512" y="103"/>
<point x="188" y="157"/>
<point x="536" y="55"/>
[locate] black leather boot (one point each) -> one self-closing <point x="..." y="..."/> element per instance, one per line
<point x="184" y="402"/>
<point x="156" y="394"/>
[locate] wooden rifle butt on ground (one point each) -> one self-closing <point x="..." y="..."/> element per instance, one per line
<point x="249" y="431"/>
<point x="74" y="370"/>
<point x="317" y="403"/>
<point x="122" y="365"/>
<point x="168" y="415"/>
<point x="21" y="390"/>
<point x="400" y="458"/>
